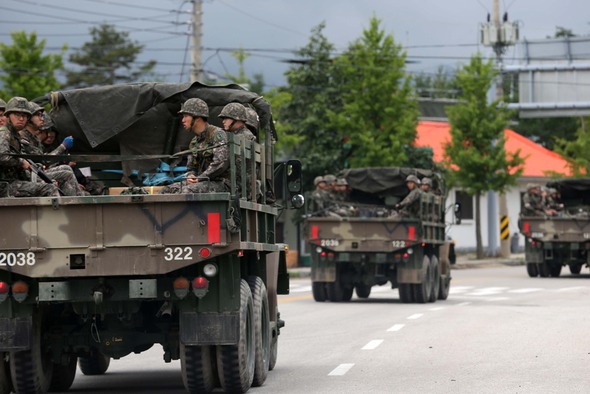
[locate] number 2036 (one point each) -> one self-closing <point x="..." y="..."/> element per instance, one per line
<point x="17" y="259"/>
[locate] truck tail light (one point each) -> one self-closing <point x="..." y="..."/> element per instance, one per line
<point x="204" y="252"/>
<point x="4" y="289"/>
<point x="200" y="286"/>
<point x="20" y="291"/>
<point x="526" y="228"/>
<point x="406" y="257"/>
<point x="181" y="285"/>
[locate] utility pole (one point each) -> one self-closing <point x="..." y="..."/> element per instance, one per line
<point x="196" y="71"/>
<point x="499" y="35"/>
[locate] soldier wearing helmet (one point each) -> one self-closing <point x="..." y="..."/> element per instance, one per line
<point x="532" y="200"/>
<point x="234" y="117"/>
<point x="208" y="164"/>
<point x="410" y="205"/>
<point x="319" y="196"/>
<point x="2" y="109"/>
<point x="252" y="121"/>
<point x="30" y="134"/>
<point x="553" y="202"/>
<point x="15" y="170"/>
<point x="426" y="185"/>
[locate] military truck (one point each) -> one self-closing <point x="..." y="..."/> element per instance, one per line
<point x="84" y="280"/>
<point x="360" y="241"/>
<point x="563" y="239"/>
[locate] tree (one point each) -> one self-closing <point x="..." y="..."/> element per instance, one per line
<point x="26" y="71"/>
<point x="255" y="84"/>
<point x="380" y="111"/>
<point x="476" y="157"/>
<point x="107" y="59"/>
<point x="577" y="151"/>
<point x="303" y="117"/>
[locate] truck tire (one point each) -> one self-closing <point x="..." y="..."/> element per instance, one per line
<point x="435" y="279"/>
<point x="422" y="290"/>
<point x="5" y="379"/>
<point x="318" y="290"/>
<point x="334" y="291"/>
<point x="555" y="271"/>
<point x="445" y="286"/>
<point x="347" y="293"/>
<point x="406" y="293"/>
<point x="262" y="335"/>
<point x="362" y="290"/>
<point x="235" y="363"/>
<point x="274" y="352"/>
<point x="575" y="268"/>
<point x="96" y="364"/>
<point x="532" y="269"/>
<point x="32" y="369"/>
<point x="64" y="375"/>
<point x="543" y="270"/>
<point x="196" y="364"/>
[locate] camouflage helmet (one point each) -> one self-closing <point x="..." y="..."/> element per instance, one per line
<point x="34" y="108"/>
<point x="329" y="179"/>
<point x="317" y="180"/>
<point x="252" y="119"/>
<point x="413" y="178"/>
<point x="426" y="181"/>
<point x="2" y="104"/>
<point x="47" y="122"/>
<point x="235" y="111"/>
<point x="18" y="104"/>
<point x="532" y="186"/>
<point x="341" y="182"/>
<point x="195" y="107"/>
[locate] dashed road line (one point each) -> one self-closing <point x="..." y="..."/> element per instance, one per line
<point x="464" y="303"/>
<point x="574" y="288"/>
<point x="341" y="370"/>
<point x="372" y="345"/>
<point x="438" y="308"/>
<point x="396" y="327"/>
<point x="415" y="316"/>
<point x="525" y="290"/>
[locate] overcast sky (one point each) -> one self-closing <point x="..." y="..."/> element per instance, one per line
<point x="434" y="32"/>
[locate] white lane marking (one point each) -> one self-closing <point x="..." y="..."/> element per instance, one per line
<point x="415" y="316"/>
<point x="574" y="288"/>
<point x="460" y="289"/>
<point x="438" y="308"/>
<point x="300" y="289"/>
<point x="525" y="290"/>
<point x="341" y="370"/>
<point x="492" y="299"/>
<point x="464" y="303"/>
<point x="373" y="344"/>
<point x="488" y="291"/>
<point x="396" y="327"/>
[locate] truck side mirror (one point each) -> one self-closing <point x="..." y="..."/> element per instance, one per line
<point x="458" y="213"/>
<point x="294" y="185"/>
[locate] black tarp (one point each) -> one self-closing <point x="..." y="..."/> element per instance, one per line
<point x="573" y="191"/>
<point x="140" y="118"/>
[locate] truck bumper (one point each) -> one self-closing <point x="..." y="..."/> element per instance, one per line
<point x="209" y="328"/>
<point x="15" y="333"/>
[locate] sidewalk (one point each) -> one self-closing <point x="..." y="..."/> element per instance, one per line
<point x="464" y="261"/>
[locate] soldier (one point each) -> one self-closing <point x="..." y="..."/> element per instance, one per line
<point x="234" y="117"/>
<point x="410" y="206"/>
<point x="553" y="201"/>
<point x="426" y="185"/>
<point x="31" y="130"/>
<point x="318" y="196"/>
<point x="2" y="109"/>
<point x="208" y="163"/>
<point x="252" y="121"/>
<point x="13" y="170"/>
<point x="533" y="201"/>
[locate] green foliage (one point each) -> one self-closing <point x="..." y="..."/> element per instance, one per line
<point x="441" y="85"/>
<point x="476" y="157"/>
<point x="380" y="111"/>
<point x="548" y="131"/>
<point x="107" y="59"/>
<point x="577" y="151"/>
<point x="26" y="71"/>
<point x="255" y="84"/>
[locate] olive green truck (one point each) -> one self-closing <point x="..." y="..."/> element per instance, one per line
<point x="84" y="280"/>
<point x="361" y="242"/>
<point x="554" y="241"/>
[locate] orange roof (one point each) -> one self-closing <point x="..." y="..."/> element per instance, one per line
<point x="538" y="160"/>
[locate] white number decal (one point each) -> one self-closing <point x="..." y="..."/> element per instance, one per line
<point x="329" y="242"/>
<point x="20" y="259"/>
<point x="399" y="244"/>
<point x="178" y="253"/>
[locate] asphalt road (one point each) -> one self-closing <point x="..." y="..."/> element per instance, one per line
<point x="499" y="332"/>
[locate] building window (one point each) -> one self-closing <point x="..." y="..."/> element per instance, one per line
<point x="466" y="202"/>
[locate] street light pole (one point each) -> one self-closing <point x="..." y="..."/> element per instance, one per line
<point x="197" y="33"/>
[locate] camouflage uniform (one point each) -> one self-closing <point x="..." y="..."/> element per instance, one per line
<point x="533" y="201"/>
<point x="410" y="206"/>
<point x="11" y="171"/>
<point x="63" y="174"/>
<point x="317" y="198"/>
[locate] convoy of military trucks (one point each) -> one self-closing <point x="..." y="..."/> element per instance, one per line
<point x="84" y="280"/>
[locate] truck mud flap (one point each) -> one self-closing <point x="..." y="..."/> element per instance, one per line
<point x="209" y="328"/>
<point x="409" y="275"/>
<point x="16" y="334"/>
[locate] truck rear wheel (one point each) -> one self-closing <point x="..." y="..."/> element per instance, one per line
<point x="319" y="291"/>
<point x="64" y="375"/>
<point x="196" y="364"/>
<point x="362" y="290"/>
<point x="555" y="271"/>
<point x="445" y="286"/>
<point x="261" y="330"/>
<point x="32" y="369"/>
<point x="5" y="379"/>
<point x="235" y="363"/>
<point x="406" y="293"/>
<point x="435" y="279"/>
<point x="575" y="268"/>
<point x="422" y="290"/>
<point x="543" y="270"/>
<point x="532" y="269"/>
<point x="96" y="364"/>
